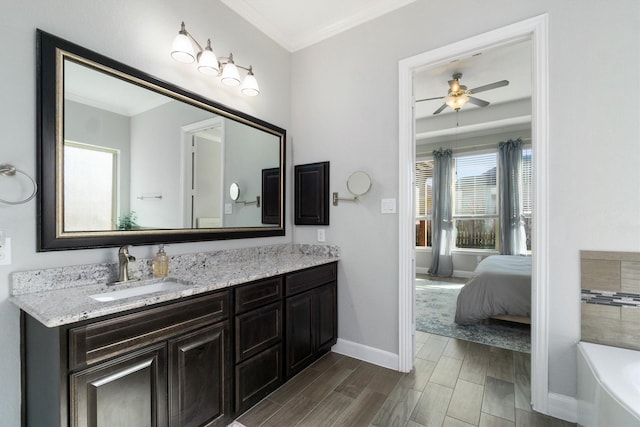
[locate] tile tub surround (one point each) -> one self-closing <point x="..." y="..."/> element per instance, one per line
<point x="59" y="296"/>
<point x="610" y="296"/>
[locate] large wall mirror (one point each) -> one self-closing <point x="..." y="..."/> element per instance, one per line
<point x="128" y="159"/>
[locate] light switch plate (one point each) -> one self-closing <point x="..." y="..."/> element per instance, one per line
<point x="228" y="210"/>
<point x="388" y="206"/>
<point x="321" y="236"/>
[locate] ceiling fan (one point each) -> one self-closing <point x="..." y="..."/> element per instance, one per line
<point x="458" y="94"/>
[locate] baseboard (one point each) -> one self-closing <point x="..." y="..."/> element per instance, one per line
<point x="563" y="407"/>
<point x="366" y="353"/>
<point x="456" y="273"/>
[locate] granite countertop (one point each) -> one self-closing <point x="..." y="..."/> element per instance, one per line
<point x="68" y="300"/>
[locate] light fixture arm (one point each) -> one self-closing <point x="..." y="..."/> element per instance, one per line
<point x="224" y="60"/>
<point x="183" y="30"/>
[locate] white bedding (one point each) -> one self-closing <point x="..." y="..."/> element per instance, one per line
<point x="500" y="285"/>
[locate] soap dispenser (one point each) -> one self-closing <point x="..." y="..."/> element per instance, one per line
<point x="160" y="263"/>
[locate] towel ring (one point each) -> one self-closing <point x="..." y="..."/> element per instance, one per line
<point x="10" y="170"/>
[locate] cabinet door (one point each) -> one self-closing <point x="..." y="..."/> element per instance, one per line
<point x="300" y="314"/>
<point x="311" y="194"/>
<point x="258" y="330"/>
<point x="258" y="376"/>
<point x="200" y="377"/>
<point x="327" y="305"/>
<point x="130" y="391"/>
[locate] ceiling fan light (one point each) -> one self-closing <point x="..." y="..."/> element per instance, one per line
<point x="456" y="102"/>
<point x="182" y="48"/>
<point x="230" y="75"/>
<point x="208" y="61"/>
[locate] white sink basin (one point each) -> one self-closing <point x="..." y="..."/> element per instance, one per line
<point x="169" y="285"/>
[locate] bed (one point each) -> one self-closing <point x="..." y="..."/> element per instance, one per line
<point x="500" y="287"/>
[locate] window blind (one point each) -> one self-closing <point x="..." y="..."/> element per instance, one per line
<point x="424" y="188"/>
<point x="475" y="185"/>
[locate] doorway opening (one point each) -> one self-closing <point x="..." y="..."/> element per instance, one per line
<point x="535" y="30"/>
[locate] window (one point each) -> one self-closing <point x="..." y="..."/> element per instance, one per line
<point x="89" y="187"/>
<point x="424" y="200"/>
<point x="527" y="190"/>
<point x="475" y="200"/>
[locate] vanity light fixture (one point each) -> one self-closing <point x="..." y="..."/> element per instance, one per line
<point x="182" y="50"/>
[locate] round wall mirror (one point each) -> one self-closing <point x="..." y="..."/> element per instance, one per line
<point x="359" y="183"/>
<point x="234" y="191"/>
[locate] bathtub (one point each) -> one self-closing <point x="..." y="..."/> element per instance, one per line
<point x="608" y="386"/>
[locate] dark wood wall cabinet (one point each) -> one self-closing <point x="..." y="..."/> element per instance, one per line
<point x="200" y="361"/>
<point x="311" y="194"/>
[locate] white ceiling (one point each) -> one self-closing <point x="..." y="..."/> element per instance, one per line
<point x="87" y="86"/>
<point x="295" y="24"/>
<point x="509" y="62"/>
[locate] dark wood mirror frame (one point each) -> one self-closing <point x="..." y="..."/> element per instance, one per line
<point x="50" y="238"/>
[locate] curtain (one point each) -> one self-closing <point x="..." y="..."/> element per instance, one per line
<point x="441" y="217"/>
<point x="513" y="240"/>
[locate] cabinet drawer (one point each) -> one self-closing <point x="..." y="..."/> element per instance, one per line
<point x="258" y="294"/>
<point x="258" y="330"/>
<point x="257" y="377"/>
<point x="105" y="339"/>
<point x="310" y="278"/>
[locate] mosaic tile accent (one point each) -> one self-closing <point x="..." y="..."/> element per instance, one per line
<point x="610" y="296"/>
<point x="617" y="299"/>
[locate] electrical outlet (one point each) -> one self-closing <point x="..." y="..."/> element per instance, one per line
<point x="5" y="251"/>
<point x="321" y="236"/>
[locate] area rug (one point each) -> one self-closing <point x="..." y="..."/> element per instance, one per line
<point x="435" y="312"/>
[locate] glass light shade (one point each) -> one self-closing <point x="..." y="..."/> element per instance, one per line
<point x="182" y="49"/>
<point x="208" y="61"/>
<point x="456" y="102"/>
<point x="250" y="85"/>
<point x="230" y="75"/>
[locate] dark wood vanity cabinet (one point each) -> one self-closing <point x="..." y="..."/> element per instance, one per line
<point x="311" y="307"/>
<point x="199" y="361"/>
<point x="258" y="341"/>
<point x="168" y="366"/>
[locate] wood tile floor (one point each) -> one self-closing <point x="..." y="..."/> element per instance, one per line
<point x="454" y="384"/>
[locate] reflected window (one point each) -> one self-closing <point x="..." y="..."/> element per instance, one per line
<point x="90" y="182"/>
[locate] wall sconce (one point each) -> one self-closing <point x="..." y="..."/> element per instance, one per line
<point x="224" y="67"/>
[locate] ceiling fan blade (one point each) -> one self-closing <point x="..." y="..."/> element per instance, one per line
<point x="478" y="102"/>
<point x="439" y="110"/>
<point x="490" y="86"/>
<point x="429" y="99"/>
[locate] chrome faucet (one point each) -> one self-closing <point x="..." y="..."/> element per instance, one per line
<point x="124" y="257"/>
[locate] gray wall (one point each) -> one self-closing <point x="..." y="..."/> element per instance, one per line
<point x="346" y="111"/>
<point x="95" y="126"/>
<point x="138" y="33"/>
<point x="156" y="163"/>
<point x="243" y="165"/>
